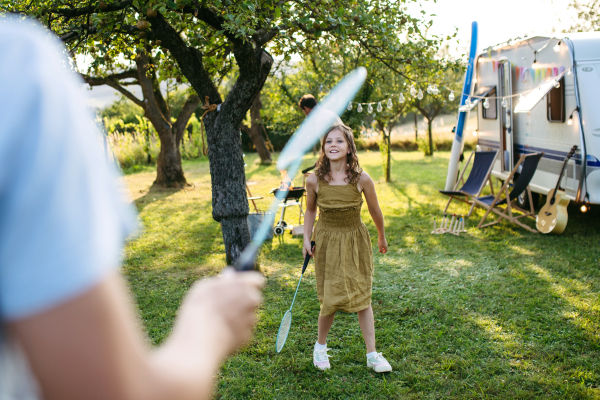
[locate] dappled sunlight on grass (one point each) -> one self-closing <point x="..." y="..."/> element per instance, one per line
<point x="494" y="313"/>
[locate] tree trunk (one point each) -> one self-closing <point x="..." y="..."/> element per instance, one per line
<point x="388" y="170"/>
<point x="416" y="129"/>
<point x="229" y="200"/>
<point x="255" y="132"/>
<point x="429" y="123"/>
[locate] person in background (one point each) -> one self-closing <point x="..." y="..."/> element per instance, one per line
<point x="68" y="328"/>
<point x="307" y="103"/>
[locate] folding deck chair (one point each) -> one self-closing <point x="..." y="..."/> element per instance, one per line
<point x="480" y="174"/>
<point x="529" y="163"/>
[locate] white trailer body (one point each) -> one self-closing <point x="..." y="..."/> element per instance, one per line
<point x="573" y="61"/>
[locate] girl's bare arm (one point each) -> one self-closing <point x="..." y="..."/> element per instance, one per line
<point x="311" y="212"/>
<point x="368" y="188"/>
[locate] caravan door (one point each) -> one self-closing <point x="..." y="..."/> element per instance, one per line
<point x="505" y="120"/>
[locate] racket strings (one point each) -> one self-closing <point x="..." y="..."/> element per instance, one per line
<point x="284" y="329"/>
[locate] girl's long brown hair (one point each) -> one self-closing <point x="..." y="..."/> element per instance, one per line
<point x="353" y="169"/>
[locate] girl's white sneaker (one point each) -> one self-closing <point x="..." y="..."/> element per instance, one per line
<point x="378" y="363"/>
<point x="321" y="359"/>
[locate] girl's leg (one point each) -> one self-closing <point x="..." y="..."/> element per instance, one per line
<point x="325" y="323"/>
<point x="367" y="326"/>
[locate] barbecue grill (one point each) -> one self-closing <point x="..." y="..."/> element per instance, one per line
<point x="291" y="199"/>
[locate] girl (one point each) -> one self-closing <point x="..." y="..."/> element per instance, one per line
<point x="342" y="252"/>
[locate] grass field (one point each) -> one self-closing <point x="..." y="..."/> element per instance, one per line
<point x="499" y="313"/>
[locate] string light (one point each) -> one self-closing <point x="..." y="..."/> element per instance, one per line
<point x="570" y="121"/>
<point x="370" y="108"/>
<point x="429" y="89"/>
<point x="349" y="107"/>
<point x="359" y="108"/>
<point x="504" y="102"/>
<point x="556" y="84"/>
<point x="584" y="208"/>
<point x="401" y="98"/>
<point x="420" y="95"/>
<point x="379" y="108"/>
<point x="413" y="91"/>
<point x="389" y="104"/>
<point x="486" y="104"/>
<point x="435" y="90"/>
<point x="557" y="46"/>
<point x="451" y="96"/>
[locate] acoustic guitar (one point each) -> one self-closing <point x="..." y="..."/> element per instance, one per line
<point x="553" y="216"/>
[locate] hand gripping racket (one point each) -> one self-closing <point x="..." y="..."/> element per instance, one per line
<point x="286" y="321"/>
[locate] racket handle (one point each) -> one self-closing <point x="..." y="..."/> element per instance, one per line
<point x="307" y="258"/>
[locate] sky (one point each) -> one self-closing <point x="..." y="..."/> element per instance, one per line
<point x="497" y="21"/>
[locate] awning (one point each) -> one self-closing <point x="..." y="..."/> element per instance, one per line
<point x="481" y="92"/>
<point x="532" y="98"/>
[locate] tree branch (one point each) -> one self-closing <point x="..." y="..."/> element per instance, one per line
<point x="152" y="109"/>
<point x="184" y="116"/>
<point x="113" y="84"/>
<point x="78" y="12"/>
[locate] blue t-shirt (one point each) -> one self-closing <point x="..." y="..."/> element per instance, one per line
<point x="63" y="216"/>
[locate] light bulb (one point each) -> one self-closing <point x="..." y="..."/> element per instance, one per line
<point x="379" y="108"/>
<point x="401" y="98"/>
<point x="556" y="84"/>
<point x="570" y="121"/>
<point x="486" y="104"/>
<point x="468" y="102"/>
<point x="451" y="96"/>
<point x="413" y="91"/>
<point x="359" y="107"/>
<point x="369" y="108"/>
<point x="474" y="133"/>
<point x="243" y="155"/>
<point x="429" y="89"/>
<point x="390" y="104"/>
<point x="557" y="47"/>
<point x="435" y="90"/>
<point x="584" y="208"/>
<point x="420" y="94"/>
<point x="504" y="102"/>
<point x="349" y="107"/>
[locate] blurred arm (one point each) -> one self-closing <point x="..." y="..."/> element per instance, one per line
<point x="90" y="347"/>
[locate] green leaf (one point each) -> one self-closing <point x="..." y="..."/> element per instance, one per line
<point x="340" y="12"/>
<point x="172" y="5"/>
<point x="277" y="13"/>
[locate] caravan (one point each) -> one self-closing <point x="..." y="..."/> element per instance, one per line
<point x="542" y="94"/>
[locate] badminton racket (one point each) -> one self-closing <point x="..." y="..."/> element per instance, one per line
<point x="320" y="119"/>
<point x="286" y="321"/>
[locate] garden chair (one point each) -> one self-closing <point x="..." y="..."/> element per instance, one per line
<point x="527" y="165"/>
<point x="479" y="176"/>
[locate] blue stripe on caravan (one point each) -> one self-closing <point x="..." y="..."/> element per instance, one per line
<point x="556" y="155"/>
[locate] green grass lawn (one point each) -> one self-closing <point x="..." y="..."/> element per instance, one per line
<point x="499" y="313"/>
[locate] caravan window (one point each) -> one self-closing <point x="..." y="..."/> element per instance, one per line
<point x="492" y="112"/>
<point x="555" y="103"/>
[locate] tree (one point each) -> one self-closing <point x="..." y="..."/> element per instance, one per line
<point x="256" y="131"/>
<point x="436" y="93"/>
<point x="169" y="171"/>
<point x="588" y="14"/>
<point x="203" y="41"/>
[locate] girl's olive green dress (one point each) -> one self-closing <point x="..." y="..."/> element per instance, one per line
<point x="343" y="254"/>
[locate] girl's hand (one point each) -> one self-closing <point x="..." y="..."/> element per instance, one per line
<point x="307" y="249"/>
<point x="383" y="245"/>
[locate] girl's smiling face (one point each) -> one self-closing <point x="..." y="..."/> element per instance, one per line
<point x="336" y="147"/>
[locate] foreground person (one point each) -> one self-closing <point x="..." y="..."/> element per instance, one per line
<point x="68" y="329"/>
<point x="342" y="252"/>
